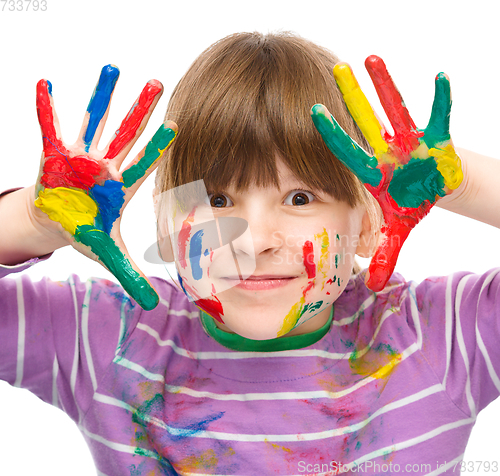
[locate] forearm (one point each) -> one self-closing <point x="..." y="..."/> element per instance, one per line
<point x="20" y="237"/>
<point x="479" y="194"/>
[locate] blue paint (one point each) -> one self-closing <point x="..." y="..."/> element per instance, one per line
<point x="206" y="252"/>
<point x="182" y="286"/>
<point x="195" y="247"/>
<point x="193" y="428"/>
<point x="100" y="100"/>
<point x="110" y="199"/>
<point x="49" y="87"/>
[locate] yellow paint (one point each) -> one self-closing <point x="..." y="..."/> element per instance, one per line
<point x="360" y="108"/>
<point x="387" y="368"/>
<point x="369" y="364"/>
<point x="323" y="259"/>
<point x="449" y="164"/>
<point x="207" y="461"/>
<point x="292" y="317"/>
<point x="71" y="208"/>
<point x="325" y="242"/>
<point x="278" y="447"/>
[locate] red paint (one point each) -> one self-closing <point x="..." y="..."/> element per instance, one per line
<point x="59" y="171"/>
<point x="213" y="307"/>
<point x="184" y="236"/>
<point x="59" y="168"/>
<point x="399" y="222"/>
<point x="130" y="125"/>
<point x="45" y="114"/>
<point x="308" y="254"/>
<point x="405" y="132"/>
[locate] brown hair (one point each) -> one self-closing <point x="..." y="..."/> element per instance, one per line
<point x="246" y="100"/>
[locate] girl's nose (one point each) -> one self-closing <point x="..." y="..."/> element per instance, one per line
<point x="260" y="238"/>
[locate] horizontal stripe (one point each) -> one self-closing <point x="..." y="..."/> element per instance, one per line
<point x="278" y="437"/>
<point x="229" y="355"/>
<point x="122" y="448"/>
<point x="21" y="331"/>
<point x="412" y="442"/>
<point x="138" y="368"/>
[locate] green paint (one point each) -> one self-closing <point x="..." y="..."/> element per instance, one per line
<point x="313" y="307"/>
<point x="417" y="181"/>
<point x="336" y="261"/>
<point x="344" y="148"/>
<point x="348" y="343"/>
<point x="358" y="445"/>
<point x="102" y="245"/>
<point x="438" y="129"/>
<point x="382" y="347"/>
<point x="160" y="141"/>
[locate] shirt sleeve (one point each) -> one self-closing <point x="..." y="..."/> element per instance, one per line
<point x="460" y="335"/>
<point x="58" y="338"/>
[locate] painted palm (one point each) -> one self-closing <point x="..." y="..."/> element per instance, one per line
<point x="81" y="188"/>
<point x="408" y="171"/>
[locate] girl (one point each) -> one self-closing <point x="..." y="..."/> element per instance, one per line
<point x="286" y="362"/>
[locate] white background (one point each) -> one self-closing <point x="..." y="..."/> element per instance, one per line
<point x="70" y="42"/>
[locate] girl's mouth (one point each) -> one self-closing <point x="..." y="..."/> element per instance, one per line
<point x="262" y="282"/>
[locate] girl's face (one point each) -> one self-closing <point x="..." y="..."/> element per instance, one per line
<point x="282" y="274"/>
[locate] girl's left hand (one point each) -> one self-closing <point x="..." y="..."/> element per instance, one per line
<point x="408" y="172"/>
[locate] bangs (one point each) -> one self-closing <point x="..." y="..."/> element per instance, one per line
<point x="246" y="102"/>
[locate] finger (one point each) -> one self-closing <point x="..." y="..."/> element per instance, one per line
<point x="344" y="148"/>
<point x="47" y="117"/>
<point x="97" y="109"/>
<point x="147" y="159"/>
<point x="438" y="129"/>
<point x="122" y="267"/>
<point x="135" y="122"/>
<point x="392" y="102"/>
<point x="384" y="260"/>
<point x="360" y="108"/>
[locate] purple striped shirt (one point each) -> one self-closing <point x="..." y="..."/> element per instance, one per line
<point x="395" y="385"/>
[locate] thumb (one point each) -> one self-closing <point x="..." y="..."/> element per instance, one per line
<point x="384" y="260"/>
<point x="115" y="258"/>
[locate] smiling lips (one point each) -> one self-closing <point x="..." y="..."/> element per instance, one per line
<point x="262" y="282"/>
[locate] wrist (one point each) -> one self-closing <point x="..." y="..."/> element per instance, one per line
<point x="21" y="236"/>
<point x="454" y="200"/>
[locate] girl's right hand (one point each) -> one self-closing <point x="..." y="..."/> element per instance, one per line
<point x="80" y="192"/>
<point x="408" y="171"/>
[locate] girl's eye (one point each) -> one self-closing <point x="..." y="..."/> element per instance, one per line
<point x="299" y="197"/>
<point x="219" y="200"/>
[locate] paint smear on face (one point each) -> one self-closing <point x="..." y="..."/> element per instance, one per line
<point x="295" y="312"/>
<point x="323" y="259"/>
<point x="195" y="247"/>
<point x="183" y="238"/>
<point x="213" y="307"/>
<point x="300" y="307"/>
<point x="308" y="259"/>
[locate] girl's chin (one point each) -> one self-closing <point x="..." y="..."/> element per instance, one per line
<point x="257" y="334"/>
